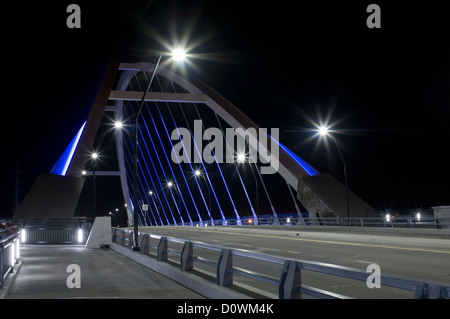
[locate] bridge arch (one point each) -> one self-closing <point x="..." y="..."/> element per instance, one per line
<point x="290" y="167"/>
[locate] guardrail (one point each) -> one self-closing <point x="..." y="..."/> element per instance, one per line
<point x="289" y="281"/>
<point x="397" y="222"/>
<point x="9" y="249"/>
<point x="73" y="231"/>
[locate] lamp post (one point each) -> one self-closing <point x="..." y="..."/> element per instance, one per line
<point x="178" y="55"/>
<point x="114" y="217"/>
<point x="242" y="158"/>
<point x="198" y="174"/>
<point x="176" y="188"/>
<point x="94" y="157"/>
<point x="325" y="132"/>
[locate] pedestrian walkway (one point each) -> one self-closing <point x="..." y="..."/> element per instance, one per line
<point x="104" y="273"/>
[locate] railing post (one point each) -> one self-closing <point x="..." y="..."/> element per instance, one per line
<point x="422" y="291"/>
<point x="290" y="280"/>
<point x="130" y="239"/>
<point x="439" y="292"/>
<point x="162" y="249"/>
<point x="113" y="235"/>
<point x="225" y="268"/>
<point x="408" y="223"/>
<point x="187" y="256"/>
<point x="438" y="223"/>
<point x="426" y="291"/>
<point x="122" y="238"/>
<point x="145" y="244"/>
<point x="2" y="266"/>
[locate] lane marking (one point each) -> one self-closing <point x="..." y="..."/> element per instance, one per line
<point x="334" y="242"/>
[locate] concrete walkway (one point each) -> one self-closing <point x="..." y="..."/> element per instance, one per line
<point x="104" y="273"/>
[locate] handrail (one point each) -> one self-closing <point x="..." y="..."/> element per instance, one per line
<point x="404" y="222"/>
<point x="289" y="283"/>
<point x="9" y="249"/>
<point x="55" y="231"/>
<point x="8" y="231"/>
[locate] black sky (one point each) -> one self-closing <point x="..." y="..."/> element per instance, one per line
<point x="277" y="61"/>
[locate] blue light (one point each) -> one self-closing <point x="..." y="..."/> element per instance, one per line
<point x="308" y="168"/>
<point x="62" y="165"/>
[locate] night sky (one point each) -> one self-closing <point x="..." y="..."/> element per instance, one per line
<point x="285" y="64"/>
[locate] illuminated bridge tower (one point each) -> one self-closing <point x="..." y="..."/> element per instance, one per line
<point x="189" y="172"/>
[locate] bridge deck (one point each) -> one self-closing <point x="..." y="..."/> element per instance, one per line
<point x="103" y="274"/>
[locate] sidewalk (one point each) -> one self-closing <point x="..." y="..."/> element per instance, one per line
<point x="104" y="273"/>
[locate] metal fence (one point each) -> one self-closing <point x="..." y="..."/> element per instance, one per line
<point x="9" y="249"/>
<point x="74" y="231"/>
<point x="398" y="222"/>
<point x="289" y="279"/>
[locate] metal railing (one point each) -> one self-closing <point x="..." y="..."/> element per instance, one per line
<point x="288" y="281"/>
<point x="9" y="249"/>
<point x="73" y="231"/>
<point x="398" y="222"/>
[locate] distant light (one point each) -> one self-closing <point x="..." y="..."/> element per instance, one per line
<point x="418" y="216"/>
<point x="23" y="235"/>
<point x="250" y="221"/>
<point x="150" y="193"/>
<point x="197" y="172"/>
<point x="179" y="55"/>
<point x="12" y="254"/>
<point x="388" y="217"/>
<point x="170" y="184"/>
<point x="118" y="124"/>
<point x="117" y="209"/>
<point x="241" y="158"/>
<point x="80" y="235"/>
<point x="94" y="156"/>
<point x="323" y="130"/>
<point x="17" y="249"/>
<point x="83" y="173"/>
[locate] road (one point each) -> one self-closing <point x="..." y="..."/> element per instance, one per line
<point x="419" y="254"/>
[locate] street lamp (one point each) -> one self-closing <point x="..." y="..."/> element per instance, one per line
<point x="118" y="124"/>
<point x="240" y="158"/>
<point x="325" y="132"/>
<point x="178" y="55"/>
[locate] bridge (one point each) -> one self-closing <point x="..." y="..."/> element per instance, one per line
<point x="224" y="262"/>
<point x="197" y="173"/>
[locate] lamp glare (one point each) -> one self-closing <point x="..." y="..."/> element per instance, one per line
<point x="179" y="55"/>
